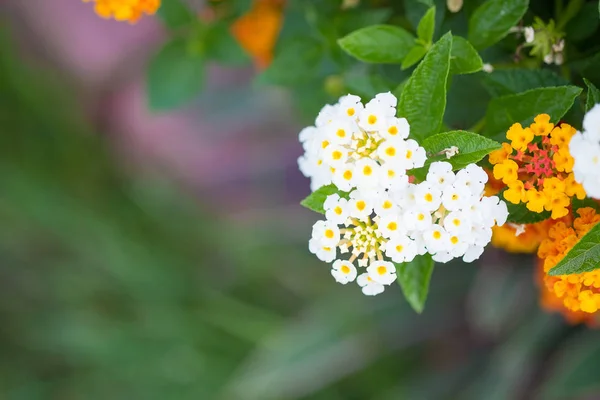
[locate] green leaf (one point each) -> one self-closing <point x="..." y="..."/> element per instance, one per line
<point x="471" y="147"/>
<point x="502" y="82"/>
<point x="519" y="214"/>
<point x="175" y="75"/>
<point x="576" y="204"/>
<point x="378" y="44"/>
<point x="414" y="56"/>
<point x="297" y="62"/>
<point x="426" y="26"/>
<point x="492" y="20"/>
<point x="504" y="111"/>
<point x="414" y="278"/>
<point x="414" y="10"/>
<point x="583" y="257"/>
<point x="593" y="95"/>
<point x="355" y="19"/>
<point x="423" y="99"/>
<point x="315" y="200"/>
<point x="464" y="59"/>
<point x="175" y="14"/>
<point x="568" y="13"/>
<point x="584" y="24"/>
<point x="222" y="47"/>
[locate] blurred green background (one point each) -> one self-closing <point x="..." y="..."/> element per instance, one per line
<point x="120" y="279"/>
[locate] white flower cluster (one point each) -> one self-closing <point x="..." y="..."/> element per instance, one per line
<point x="585" y="149"/>
<point x="386" y="219"/>
<point x="359" y="146"/>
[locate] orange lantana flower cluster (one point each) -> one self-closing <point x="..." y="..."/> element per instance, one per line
<point x="125" y="10"/>
<point x="578" y="292"/>
<point x="537" y="167"/>
<point x="515" y="238"/>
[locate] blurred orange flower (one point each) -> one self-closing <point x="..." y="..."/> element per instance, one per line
<point x="520" y="238"/>
<point x="257" y="30"/>
<point x="577" y="292"/>
<point x="552" y="303"/>
<point x="125" y="10"/>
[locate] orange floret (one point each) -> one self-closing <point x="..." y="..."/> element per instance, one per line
<point x="125" y="10"/>
<point x="575" y="293"/>
<point x="258" y="29"/>
<point x="520" y="239"/>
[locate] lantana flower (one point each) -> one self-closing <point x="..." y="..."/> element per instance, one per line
<point x="585" y="148"/>
<point x="578" y="292"/>
<point x="512" y="237"/>
<point x="550" y="302"/>
<point x="537" y="167"/>
<point x="359" y="146"/>
<point x="380" y="216"/>
<point x="125" y="10"/>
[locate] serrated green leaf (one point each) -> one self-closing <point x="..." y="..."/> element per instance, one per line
<point x="296" y="63"/>
<point x="315" y="200"/>
<point x="414" y="278"/>
<point x="414" y="56"/>
<point x="423" y="99"/>
<point x="222" y="47"/>
<point x="378" y="44"/>
<point x="492" y="20"/>
<point x="583" y="257"/>
<point x="414" y="10"/>
<point x="519" y="214"/>
<point x="504" y="111"/>
<point x="175" y="75"/>
<point x="472" y="147"/>
<point x="464" y="59"/>
<point x="502" y="82"/>
<point x="175" y="14"/>
<point x="593" y="95"/>
<point x="426" y="26"/>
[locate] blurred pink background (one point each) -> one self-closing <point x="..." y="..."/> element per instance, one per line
<point x="235" y="145"/>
